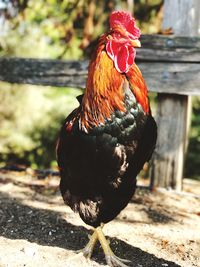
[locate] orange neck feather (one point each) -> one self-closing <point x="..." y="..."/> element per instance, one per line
<point x="104" y="89"/>
<point x="138" y="87"/>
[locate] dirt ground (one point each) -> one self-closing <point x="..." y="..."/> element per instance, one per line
<point x="36" y="229"/>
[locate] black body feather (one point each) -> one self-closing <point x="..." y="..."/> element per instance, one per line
<point x="99" y="168"/>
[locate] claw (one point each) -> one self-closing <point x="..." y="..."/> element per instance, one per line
<point x="86" y="252"/>
<point x="123" y="260"/>
<point x="114" y="261"/>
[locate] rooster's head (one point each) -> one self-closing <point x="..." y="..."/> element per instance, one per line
<point x="122" y="40"/>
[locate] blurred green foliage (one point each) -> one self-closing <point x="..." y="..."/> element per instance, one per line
<point x="60" y="28"/>
<point x="30" y="116"/>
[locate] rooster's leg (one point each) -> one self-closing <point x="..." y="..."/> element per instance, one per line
<point x="88" y="249"/>
<point x="111" y="259"/>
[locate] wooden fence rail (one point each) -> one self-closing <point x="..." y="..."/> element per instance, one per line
<point x="171" y="68"/>
<point x="170" y="64"/>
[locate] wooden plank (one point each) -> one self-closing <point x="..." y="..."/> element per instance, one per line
<point x="169" y="42"/>
<point x="172" y="78"/>
<point x="164" y="55"/>
<point x="44" y="72"/>
<point x="169" y="78"/>
<point x="170" y="48"/>
<point x="173" y="111"/>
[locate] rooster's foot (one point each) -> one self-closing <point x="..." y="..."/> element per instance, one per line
<point x="111" y="259"/>
<point x="114" y="261"/>
<point x="88" y="249"/>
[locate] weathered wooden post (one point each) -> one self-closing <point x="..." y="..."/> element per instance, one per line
<point x="173" y="111"/>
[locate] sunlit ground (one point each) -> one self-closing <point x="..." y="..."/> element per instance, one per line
<point x="156" y="229"/>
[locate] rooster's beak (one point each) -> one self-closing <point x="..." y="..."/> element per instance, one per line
<point x="135" y="43"/>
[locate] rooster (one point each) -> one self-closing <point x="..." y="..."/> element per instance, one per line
<point x="104" y="143"/>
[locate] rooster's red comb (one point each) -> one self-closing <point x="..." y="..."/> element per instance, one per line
<point x="125" y="20"/>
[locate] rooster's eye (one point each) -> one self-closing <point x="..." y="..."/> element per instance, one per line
<point x="109" y="37"/>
